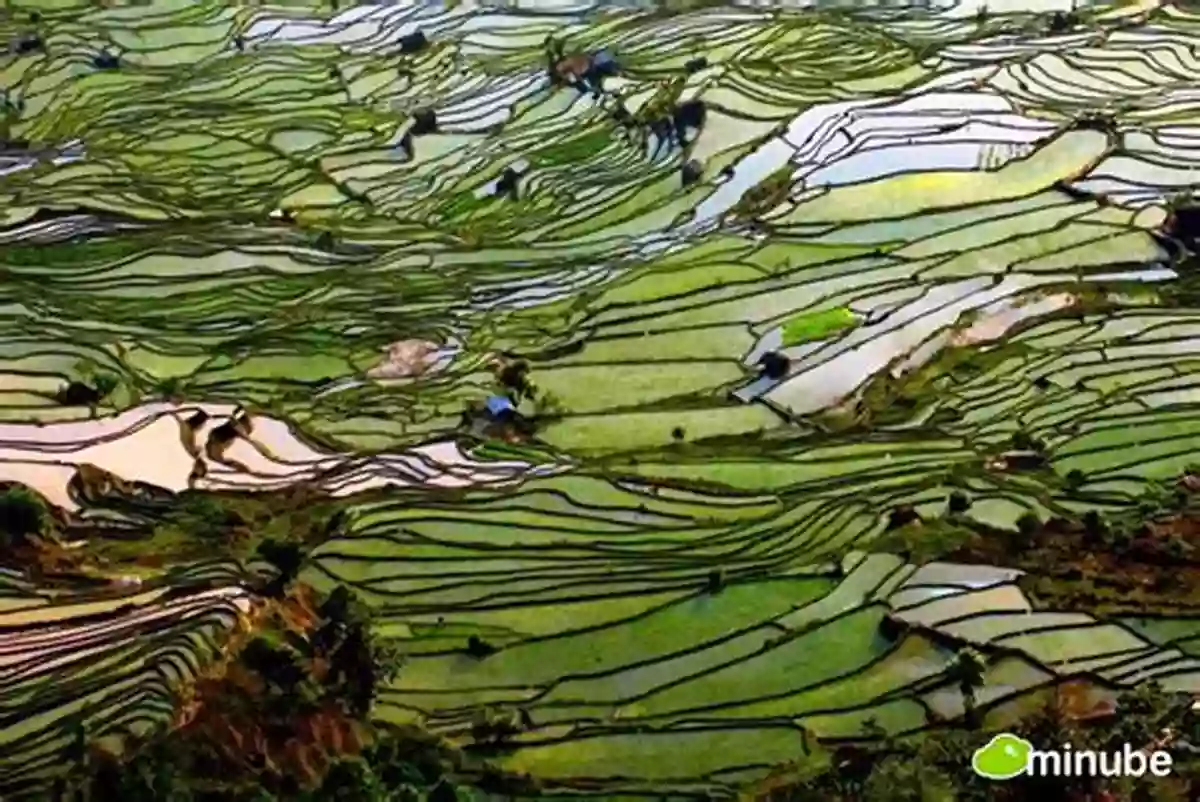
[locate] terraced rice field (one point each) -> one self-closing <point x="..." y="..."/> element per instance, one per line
<point x="949" y="222"/>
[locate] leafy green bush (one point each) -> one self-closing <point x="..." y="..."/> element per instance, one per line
<point x="22" y="513"/>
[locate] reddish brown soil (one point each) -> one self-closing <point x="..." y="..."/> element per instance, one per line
<point x="1156" y="567"/>
<point x="221" y="717"/>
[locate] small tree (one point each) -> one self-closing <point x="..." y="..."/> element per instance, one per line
<point x="1095" y="528"/>
<point x="105" y="383"/>
<point x="353" y="779"/>
<point x="286" y="558"/>
<point x="902" y="516"/>
<point x="77" y="749"/>
<point x="1142" y="712"/>
<point x="22" y="514"/>
<point x="478" y="648"/>
<point x="716" y="581"/>
<point x="1028" y="527"/>
<point x="1074" y="480"/>
<point x="968" y="670"/>
<point x="279" y="666"/>
<point x="1024" y="441"/>
<point x="340" y="606"/>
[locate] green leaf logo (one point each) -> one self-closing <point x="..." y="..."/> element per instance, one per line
<point x="1004" y="757"/>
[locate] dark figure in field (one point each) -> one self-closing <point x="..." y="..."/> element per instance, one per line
<point x="239" y="42"/>
<point x="507" y="185"/>
<point x="664" y="135"/>
<point x="107" y="61"/>
<point x="673" y="131"/>
<point x="500" y="409"/>
<point x="774" y="365"/>
<point x="414" y="42"/>
<point x="406" y="145"/>
<point x="689" y="115"/>
<point x="424" y="122"/>
<point x="691" y="172"/>
<point x="478" y="648"/>
<point x="78" y="394"/>
<point x="1061" y="21"/>
<point x="903" y="515"/>
<point x="497" y="418"/>
<point x="28" y="43"/>
<point x="17" y="105"/>
<point x="715" y="582"/>
<point x="958" y="502"/>
<point x="1184" y="223"/>
<point x="695" y="65"/>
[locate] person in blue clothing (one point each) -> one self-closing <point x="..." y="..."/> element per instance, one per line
<point x="498" y="418"/>
<point x="500" y="408"/>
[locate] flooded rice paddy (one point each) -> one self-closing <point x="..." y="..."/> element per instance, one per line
<point x="313" y="223"/>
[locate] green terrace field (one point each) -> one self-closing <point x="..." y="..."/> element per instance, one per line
<point x="111" y="666"/>
<point x="962" y="236"/>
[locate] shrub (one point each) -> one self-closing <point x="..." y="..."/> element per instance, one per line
<point x="1095" y="528"/>
<point x="22" y="513"/>
<point x="901" y="516"/>
<point x="715" y="581"/>
<point x="287" y="558"/>
<point x="1028" y="527"/>
<point x="203" y="515"/>
<point x="479" y="648"/>
<point x="1075" y="479"/>
<point x="1021" y="440"/>
<point x="105" y="383"/>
